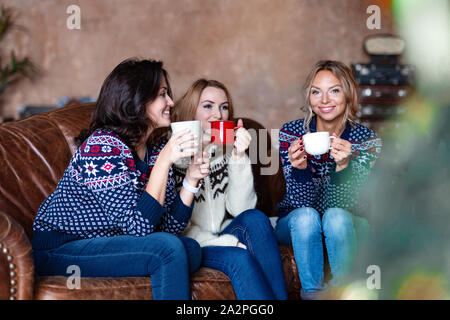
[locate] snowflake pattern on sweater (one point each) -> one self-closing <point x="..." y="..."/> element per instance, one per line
<point x="102" y="193"/>
<point x="319" y="186"/>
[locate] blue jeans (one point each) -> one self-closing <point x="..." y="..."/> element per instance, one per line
<point x="256" y="273"/>
<point x="303" y="228"/>
<point x="164" y="257"/>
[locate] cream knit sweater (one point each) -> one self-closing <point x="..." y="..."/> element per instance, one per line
<point x="227" y="189"/>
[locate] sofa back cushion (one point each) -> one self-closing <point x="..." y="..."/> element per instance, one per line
<point x="267" y="173"/>
<point x="34" y="152"/>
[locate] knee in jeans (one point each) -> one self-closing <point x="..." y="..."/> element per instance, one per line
<point x="337" y="221"/>
<point x="171" y="242"/>
<point x="191" y="245"/>
<point x="242" y="259"/>
<point x="304" y="221"/>
<point x="253" y="216"/>
<point x="194" y="253"/>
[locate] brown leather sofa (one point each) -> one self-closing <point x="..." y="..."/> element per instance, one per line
<point x="34" y="152"/>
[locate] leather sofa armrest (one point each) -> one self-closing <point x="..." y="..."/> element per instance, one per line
<point x="16" y="261"/>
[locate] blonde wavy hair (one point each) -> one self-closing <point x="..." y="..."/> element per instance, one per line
<point x="349" y="87"/>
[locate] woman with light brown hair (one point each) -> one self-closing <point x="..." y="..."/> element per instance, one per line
<point x="236" y="238"/>
<point x="322" y="190"/>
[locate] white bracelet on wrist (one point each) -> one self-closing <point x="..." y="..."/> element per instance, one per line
<point x="190" y="188"/>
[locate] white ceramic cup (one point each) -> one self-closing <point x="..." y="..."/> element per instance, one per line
<point x="317" y="143"/>
<point x="194" y="127"/>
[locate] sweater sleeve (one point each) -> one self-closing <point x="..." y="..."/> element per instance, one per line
<point x="177" y="216"/>
<point x="300" y="189"/>
<point x="345" y="186"/>
<point x="240" y="193"/>
<point x="111" y="177"/>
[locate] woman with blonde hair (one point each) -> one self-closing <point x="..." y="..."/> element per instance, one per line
<point x="235" y="238"/>
<point x="322" y="191"/>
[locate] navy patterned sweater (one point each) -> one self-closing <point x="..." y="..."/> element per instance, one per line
<point x="102" y="194"/>
<point x="319" y="186"/>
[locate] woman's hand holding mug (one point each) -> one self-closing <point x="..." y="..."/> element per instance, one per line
<point x="297" y="154"/>
<point x="178" y="146"/>
<point x="341" y="151"/>
<point x="242" y="142"/>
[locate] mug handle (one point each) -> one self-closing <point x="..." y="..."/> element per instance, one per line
<point x="332" y="137"/>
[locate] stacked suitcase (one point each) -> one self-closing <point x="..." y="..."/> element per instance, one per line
<point x="383" y="84"/>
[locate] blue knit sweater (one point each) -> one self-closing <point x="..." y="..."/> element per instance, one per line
<point x="319" y="185"/>
<point x="102" y="194"/>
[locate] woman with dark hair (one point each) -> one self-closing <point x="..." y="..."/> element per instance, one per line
<point x="236" y="238"/>
<point x="322" y="191"/>
<point x="108" y="214"/>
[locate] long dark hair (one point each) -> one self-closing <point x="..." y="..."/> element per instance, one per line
<point x="121" y="105"/>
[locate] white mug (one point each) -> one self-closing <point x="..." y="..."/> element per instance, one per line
<point x="195" y="128"/>
<point x="317" y="143"/>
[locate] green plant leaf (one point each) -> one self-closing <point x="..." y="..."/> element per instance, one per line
<point x="17" y="68"/>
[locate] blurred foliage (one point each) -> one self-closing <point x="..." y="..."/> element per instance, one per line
<point x="15" y="69"/>
<point x="408" y="191"/>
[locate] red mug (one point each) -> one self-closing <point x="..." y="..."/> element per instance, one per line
<point x="222" y="132"/>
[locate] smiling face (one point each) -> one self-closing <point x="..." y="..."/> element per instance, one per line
<point x="158" y="110"/>
<point x="327" y="98"/>
<point x="212" y="106"/>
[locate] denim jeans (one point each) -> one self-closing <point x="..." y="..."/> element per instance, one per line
<point x="164" y="257"/>
<point x="303" y="228"/>
<point x="256" y="273"/>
